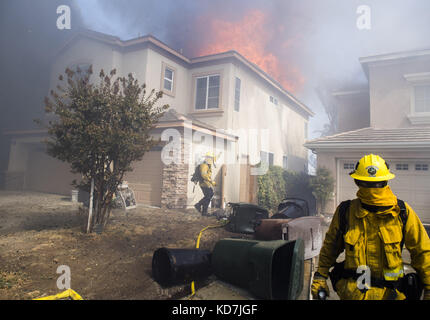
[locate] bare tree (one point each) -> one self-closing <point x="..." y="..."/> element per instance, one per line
<point x="330" y="109"/>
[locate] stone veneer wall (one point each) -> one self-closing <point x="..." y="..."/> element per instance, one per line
<point x="175" y="184"/>
<point x="174" y="190"/>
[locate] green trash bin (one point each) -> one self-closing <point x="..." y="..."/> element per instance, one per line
<point x="268" y="269"/>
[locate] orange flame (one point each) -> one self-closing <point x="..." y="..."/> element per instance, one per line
<point x="251" y="37"/>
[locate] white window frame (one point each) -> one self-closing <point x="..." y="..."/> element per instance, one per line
<point x="402" y="166"/>
<point x="421" y="166"/>
<point x="207" y="91"/>
<point x="274" y="100"/>
<point x="75" y="65"/>
<point x="349" y="166"/>
<point x="263" y="154"/>
<point x="414" y="80"/>
<point x="168" y="80"/>
<point x="285" y="162"/>
<point x="165" y="66"/>
<point x="415" y="98"/>
<point x="237" y="94"/>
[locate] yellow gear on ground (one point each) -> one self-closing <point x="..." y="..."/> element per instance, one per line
<point x="372" y="168"/>
<point x="63" y="295"/>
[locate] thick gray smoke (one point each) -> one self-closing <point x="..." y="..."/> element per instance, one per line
<point x="319" y="38"/>
<point x="316" y="42"/>
<point x="29" y="39"/>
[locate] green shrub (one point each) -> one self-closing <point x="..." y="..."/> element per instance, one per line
<point x="271" y="188"/>
<point x="322" y="185"/>
<point x="297" y="183"/>
<point x="278" y="183"/>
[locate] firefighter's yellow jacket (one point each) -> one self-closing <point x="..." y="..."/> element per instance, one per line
<point x="373" y="240"/>
<point x="206" y="174"/>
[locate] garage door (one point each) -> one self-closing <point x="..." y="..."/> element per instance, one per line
<point x="412" y="183"/>
<point x="146" y="179"/>
<point x="47" y="174"/>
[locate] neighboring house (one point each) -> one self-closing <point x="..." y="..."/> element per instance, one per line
<point x="223" y="97"/>
<point x="394" y="115"/>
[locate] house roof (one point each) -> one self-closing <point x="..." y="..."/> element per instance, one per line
<point x="172" y="118"/>
<point x="390" y="57"/>
<point x="190" y="62"/>
<point x="365" y="138"/>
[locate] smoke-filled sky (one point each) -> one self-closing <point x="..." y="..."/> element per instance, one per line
<point x="303" y="44"/>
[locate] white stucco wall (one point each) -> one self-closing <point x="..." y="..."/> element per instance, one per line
<point x="84" y="51"/>
<point x="390" y="92"/>
<point x="285" y="124"/>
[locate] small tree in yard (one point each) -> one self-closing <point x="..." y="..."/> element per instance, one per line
<point x="100" y="129"/>
<point x="322" y="185"/>
<point x="271" y="188"/>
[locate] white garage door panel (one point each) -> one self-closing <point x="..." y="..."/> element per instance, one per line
<point x="146" y="179"/>
<point x="411" y="185"/>
<point x="347" y="187"/>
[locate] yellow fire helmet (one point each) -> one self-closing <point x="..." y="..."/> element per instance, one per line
<point x="209" y="155"/>
<point x="372" y="168"/>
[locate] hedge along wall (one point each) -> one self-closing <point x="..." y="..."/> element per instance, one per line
<point x="271" y="188"/>
<point x="278" y="183"/>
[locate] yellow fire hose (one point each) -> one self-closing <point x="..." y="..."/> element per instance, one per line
<point x="63" y="295"/>
<point x="193" y="290"/>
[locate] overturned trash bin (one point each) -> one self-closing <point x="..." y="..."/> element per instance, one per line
<point x="180" y="266"/>
<point x="271" y="229"/>
<point x="292" y="208"/>
<point x="306" y="228"/>
<point x="268" y="269"/>
<point x="244" y="217"/>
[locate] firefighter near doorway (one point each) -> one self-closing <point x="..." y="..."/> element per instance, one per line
<point x="203" y="176"/>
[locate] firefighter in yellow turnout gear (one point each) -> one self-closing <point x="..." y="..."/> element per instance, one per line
<point x="206" y="184"/>
<point x="373" y="239"/>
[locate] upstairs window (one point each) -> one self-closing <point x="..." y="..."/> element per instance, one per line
<point x="267" y="157"/>
<point x="274" y="100"/>
<point x="285" y="162"/>
<point x="271" y="158"/>
<point x="237" y="95"/>
<point x="168" y="79"/>
<point x="80" y="70"/>
<point x="207" y="92"/>
<point x="422" y="98"/>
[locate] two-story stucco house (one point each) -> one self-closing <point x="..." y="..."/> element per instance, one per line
<point x="221" y="99"/>
<point x="390" y="118"/>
